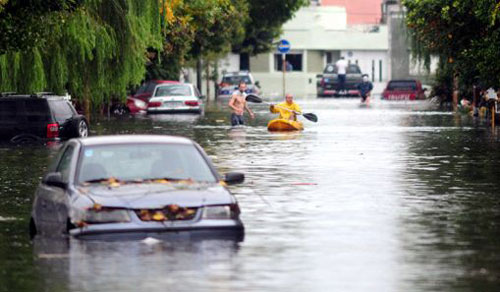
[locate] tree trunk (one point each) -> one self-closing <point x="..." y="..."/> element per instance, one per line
<point x="198" y="73"/>
<point x="455" y="91"/>
<point x="86" y="100"/>
<point x="207" y="72"/>
<point x="216" y="78"/>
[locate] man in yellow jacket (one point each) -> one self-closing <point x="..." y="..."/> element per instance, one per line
<point x="287" y="109"/>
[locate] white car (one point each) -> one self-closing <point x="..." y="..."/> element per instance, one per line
<point x="175" y="97"/>
<point x="231" y="81"/>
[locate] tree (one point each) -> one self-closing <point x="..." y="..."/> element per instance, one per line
<point x="196" y="30"/>
<point x="23" y="23"/>
<point x="266" y="17"/>
<point x="463" y="34"/>
<point x="95" y="51"/>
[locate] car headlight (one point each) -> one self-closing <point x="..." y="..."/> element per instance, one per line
<point x="139" y="103"/>
<point x="100" y="215"/>
<point x="221" y="212"/>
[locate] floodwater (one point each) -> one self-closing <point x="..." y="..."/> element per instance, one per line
<point x="397" y="196"/>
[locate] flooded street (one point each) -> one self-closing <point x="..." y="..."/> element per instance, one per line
<point x="397" y="196"/>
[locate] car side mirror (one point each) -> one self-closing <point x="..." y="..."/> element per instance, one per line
<point x="232" y="178"/>
<point x="319" y="76"/>
<point x="54" y="179"/>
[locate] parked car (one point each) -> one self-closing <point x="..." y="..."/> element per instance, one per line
<point x="39" y="118"/>
<point x="231" y="81"/>
<point x="175" y="97"/>
<point x="328" y="83"/>
<point x="410" y="89"/>
<point x="145" y="91"/>
<point x="137" y="186"/>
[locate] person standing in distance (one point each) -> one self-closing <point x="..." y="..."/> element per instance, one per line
<point x="238" y="104"/>
<point x="341" y="72"/>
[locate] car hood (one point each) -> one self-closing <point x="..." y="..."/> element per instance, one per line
<point x="152" y="196"/>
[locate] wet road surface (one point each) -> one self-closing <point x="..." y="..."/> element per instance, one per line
<point x="397" y="196"/>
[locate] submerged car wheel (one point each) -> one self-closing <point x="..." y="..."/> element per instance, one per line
<point x="26" y="139"/>
<point x="119" y="110"/>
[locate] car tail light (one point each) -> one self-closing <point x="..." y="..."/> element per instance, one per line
<point x="412" y="96"/>
<point x="154" y="104"/>
<point x="191" y="103"/>
<point x="52" y="130"/>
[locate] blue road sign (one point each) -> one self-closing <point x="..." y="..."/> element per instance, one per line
<point x="284" y="46"/>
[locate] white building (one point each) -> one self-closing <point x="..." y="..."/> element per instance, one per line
<point x="318" y="35"/>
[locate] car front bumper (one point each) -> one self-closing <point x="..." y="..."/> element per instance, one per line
<point x="138" y="230"/>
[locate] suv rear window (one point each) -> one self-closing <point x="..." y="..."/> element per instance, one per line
<point x="351" y="69"/>
<point x="235" y="80"/>
<point x="61" y="109"/>
<point x="36" y="110"/>
<point x="402" y="85"/>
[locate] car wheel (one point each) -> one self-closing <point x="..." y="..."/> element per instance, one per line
<point x="119" y="110"/>
<point x="26" y="139"/>
<point x="83" y="128"/>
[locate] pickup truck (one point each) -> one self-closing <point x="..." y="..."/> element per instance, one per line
<point x="328" y="84"/>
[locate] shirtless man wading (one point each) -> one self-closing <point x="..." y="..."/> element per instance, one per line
<point x="238" y="104"/>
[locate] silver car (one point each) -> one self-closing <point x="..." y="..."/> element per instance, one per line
<point x="134" y="186"/>
<point x="175" y="97"/>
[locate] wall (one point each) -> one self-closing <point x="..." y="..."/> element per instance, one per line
<point x="359" y="11"/>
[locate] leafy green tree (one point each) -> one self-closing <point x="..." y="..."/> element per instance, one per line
<point x="23" y="23"/>
<point x="463" y="34"/>
<point x="94" y="51"/>
<point x="266" y="17"/>
<point x="195" y="30"/>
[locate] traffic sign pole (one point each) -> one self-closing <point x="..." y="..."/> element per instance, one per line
<point x="283" y="68"/>
<point x="283" y="48"/>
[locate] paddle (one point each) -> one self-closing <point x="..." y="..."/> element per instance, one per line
<point x="255" y="99"/>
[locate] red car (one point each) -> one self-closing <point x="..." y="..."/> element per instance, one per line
<point x="404" y="90"/>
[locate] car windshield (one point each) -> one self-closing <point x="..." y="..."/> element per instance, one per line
<point x="173" y="90"/>
<point x="402" y="85"/>
<point x="235" y="80"/>
<point x="140" y="162"/>
<point x="351" y="69"/>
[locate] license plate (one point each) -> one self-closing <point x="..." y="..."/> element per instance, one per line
<point x="172" y="104"/>
<point x="399" y="97"/>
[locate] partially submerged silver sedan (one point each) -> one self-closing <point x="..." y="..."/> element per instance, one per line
<point x="137" y="185"/>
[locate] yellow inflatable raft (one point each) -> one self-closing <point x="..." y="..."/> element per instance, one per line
<point x="284" y="125"/>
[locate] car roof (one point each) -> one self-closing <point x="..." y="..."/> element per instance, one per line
<point x="177" y="83"/>
<point x="404" y="80"/>
<point x="31" y="97"/>
<point x="133" y="139"/>
<point x="164" y="81"/>
<point x="242" y="73"/>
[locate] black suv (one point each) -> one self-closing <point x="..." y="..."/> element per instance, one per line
<point x="328" y="84"/>
<point x="39" y="118"/>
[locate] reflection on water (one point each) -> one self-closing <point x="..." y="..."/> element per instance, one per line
<point x="136" y="265"/>
<point x="397" y="196"/>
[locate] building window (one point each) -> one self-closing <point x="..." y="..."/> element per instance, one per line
<point x="294" y="62"/>
<point x="329" y="58"/>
